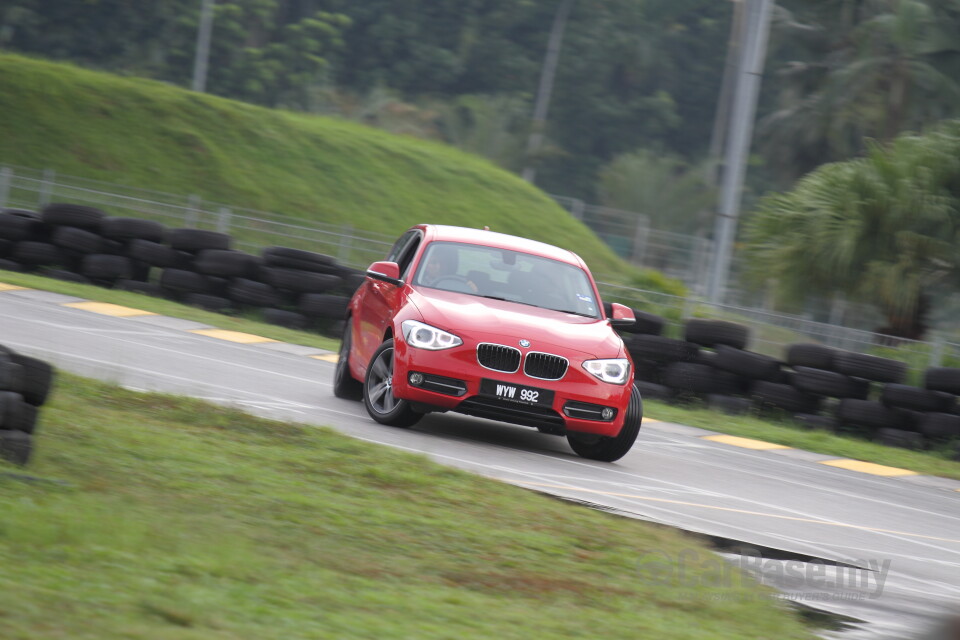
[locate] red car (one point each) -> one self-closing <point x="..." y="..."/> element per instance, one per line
<point x="494" y="326"/>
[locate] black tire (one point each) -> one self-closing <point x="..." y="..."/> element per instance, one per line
<point x="730" y="405"/>
<point x="281" y="256"/>
<point x="646" y="323"/>
<point x="660" y="349"/>
<point x="66" y="276"/>
<point x="11" y="409"/>
<point x="900" y="438"/>
<point x="646" y="371"/>
<point x="132" y="229"/>
<point x="157" y="255"/>
<point x="253" y="293"/>
<point x="12" y="374"/>
<point x="324" y="305"/>
<point x="942" y="379"/>
<point x="868" y="413"/>
<point x="904" y="396"/>
<point x="284" y="318"/>
<point x="344" y="384"/>
<point x="72" y="215"/>
<point x="691" y="377"/>
<point x="815" y="356"/>
<point x="208" y="302"/>
<point x="940" y="427"/>
<point x="182" y="281"/>
<point x="378" y="396"/>
<point x="16" y="228"/>
<point x="816" y="421"/>
<point x="652" y="390"/>
<point x="138" y="286"/>
<point x="710" y="333"/>
<point x="830" y="383"/>
<point x="24" y="418"/>
<point x="226" y="264"/>
<point x="75" y="239"/>
<point x="10" y="265"/>
<point x="38" y="376"/>
<point x="16" y="447"/>
<point x="870" y="367"/>
<point x="299" y="281"/>
<point x="194" y="240"/>
<point x="609" y="449"/>
<point x="31" y="252"/>
<point x="784" y="396"/>
<point x="747" y="363"/>
<point x="102" y="266"/>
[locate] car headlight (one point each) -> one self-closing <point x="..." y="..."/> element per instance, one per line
<point x="423" y="336"/>
<point x="614" y="371"/>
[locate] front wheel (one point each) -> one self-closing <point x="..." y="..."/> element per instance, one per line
<point x="606" y="448"/>
<point x="378" y="396"/>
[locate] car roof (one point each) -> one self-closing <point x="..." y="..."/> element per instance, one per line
<point x="435" y="232"/>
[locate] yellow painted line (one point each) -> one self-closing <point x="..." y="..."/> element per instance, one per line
<point x="746" y="443"/>
<point x="108" y="309"/>
<point x="10" y="287"/>
<point x="776" y="516"/>
<point x="652" y="421"/>
<point x="868" y="467"/>
<point x="232" y="336"/>
<point x="328" y="357"/>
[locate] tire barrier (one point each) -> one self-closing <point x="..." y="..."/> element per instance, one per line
<point x="25" y="384"/>
<point x="818" y="386"/>
<point x="289" y="287"/>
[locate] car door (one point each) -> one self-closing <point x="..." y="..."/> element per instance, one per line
<point x="381" y="300"/>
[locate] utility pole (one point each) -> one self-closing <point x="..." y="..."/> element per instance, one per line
<point x="753" y="50"/>
<point x="203" y="46"/>
<point x="547" y="73"/>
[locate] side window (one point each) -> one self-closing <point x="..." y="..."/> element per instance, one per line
<point x="406" y="256"/>
<point x="399" y="246"/>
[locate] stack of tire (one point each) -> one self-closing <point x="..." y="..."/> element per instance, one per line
<point x="25" y="384"/>
<point x="869" y="396"/>
<point x="294" y="288"/>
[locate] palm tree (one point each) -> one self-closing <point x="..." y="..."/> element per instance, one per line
<point x="881" y="229"/>
<point x="879" y="69"/>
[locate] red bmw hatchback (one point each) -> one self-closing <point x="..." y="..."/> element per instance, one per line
<point x="494" y="326"/>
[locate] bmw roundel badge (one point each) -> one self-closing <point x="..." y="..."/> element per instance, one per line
<point x="524" y="343"/>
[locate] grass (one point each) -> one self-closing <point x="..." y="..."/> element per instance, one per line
<point x="151" y="135"/>
<point x="770" y="428"/>
<point x="782" y="430"/>
<point x="152" y="516"/>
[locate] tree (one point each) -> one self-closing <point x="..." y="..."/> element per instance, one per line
<point x="856" y="71"/>
<point x="881" y="229"/>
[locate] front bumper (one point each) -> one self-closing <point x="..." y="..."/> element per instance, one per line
<point x="451" y="380"/>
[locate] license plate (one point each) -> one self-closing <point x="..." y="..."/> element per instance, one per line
<point x="509" y="392"/>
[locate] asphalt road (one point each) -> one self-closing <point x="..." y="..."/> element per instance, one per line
<point x="896" y="539"/>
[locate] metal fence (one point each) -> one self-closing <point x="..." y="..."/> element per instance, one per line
<point x="253" y="230"/>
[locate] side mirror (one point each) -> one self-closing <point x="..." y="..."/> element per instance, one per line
<point x="621" y="316"/>
<point x="386" y="271"/>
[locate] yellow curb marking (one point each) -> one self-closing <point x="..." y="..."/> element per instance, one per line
<point x="108" y="309"/>
<point x="777" y="516"/>
<point x="232" y="336"/>
<point x="11" y="287"/>
<point x="327" y="357"/>
<point x="868" y="467"/>
<point x="746" y="443"/>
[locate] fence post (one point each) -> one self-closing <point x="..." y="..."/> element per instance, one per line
<point x="936" y="351"/>
<point x="46" y="187"/>
<point x="346" y="244"/>
<point x="6" y="176"/>
<point x="223" y="220"/>
<point x="576" y="209"/>
<point x="191" y="213"/>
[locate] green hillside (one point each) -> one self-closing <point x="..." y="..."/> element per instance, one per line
<point x="147" y="134"/>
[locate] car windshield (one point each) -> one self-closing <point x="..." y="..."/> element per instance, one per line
<point x="502" y="274"/>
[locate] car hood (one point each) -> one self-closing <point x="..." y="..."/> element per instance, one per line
<point x="505" y="322"/>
